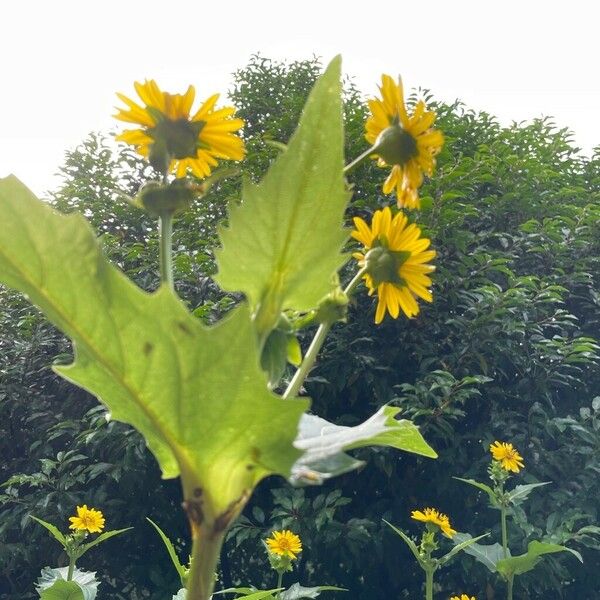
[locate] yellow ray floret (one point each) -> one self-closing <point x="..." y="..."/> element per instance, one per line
<point x="416" y="142"/>
<point x="507" y="456"/>
<point x="194" y="141"/>
<point x="463" y="597"/>
<point x="285" y="543"/>
<point x="87" y="519"/>
<point x="397" y="262"/>
<point x="431" y="515"/>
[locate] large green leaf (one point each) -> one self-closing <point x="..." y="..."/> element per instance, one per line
<point x="324" y="443"/>
<point x="283" y="244"/>
<point x="488" y="554"/>
<point x="517" y="565"/>
<point x="52" y="585"/>
<point x="202" y="407"/>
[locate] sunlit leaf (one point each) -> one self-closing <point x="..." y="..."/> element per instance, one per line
<point x="201" y="407"/>
<point x="283" y="244"/>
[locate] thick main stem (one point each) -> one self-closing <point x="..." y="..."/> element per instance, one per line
<point x="504" y="531"/>
<point x="206" y="548"/>
<point x="71" y="568"/>
<point x="165" y="230"/>
<point x="279" y="583"/>
<point x="509" y="592"/>
<point x="315" y="346"/>
<point x="429" y="584"/>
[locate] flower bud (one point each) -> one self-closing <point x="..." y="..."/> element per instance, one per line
<point x="158" y="199"/>
<point x="395" y="145"/>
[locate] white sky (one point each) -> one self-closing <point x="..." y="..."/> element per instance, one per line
<point x="62" y="61"/>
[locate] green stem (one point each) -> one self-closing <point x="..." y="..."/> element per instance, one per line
<point x="71" y="568"/>
<point x="358" y="160"/>
<point x="504" y="531"/>
<point x="429" y="584"/>
<point x="279" y="583"/>
<point x="165" y="229"/>
<point x="315" y="346"/>
<point x="206" y="548"/>
<point x="509" y="593"/>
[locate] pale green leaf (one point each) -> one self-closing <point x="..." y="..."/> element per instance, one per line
<point x="181" y="570"/>
<point x="517" y="565"/>
<point x="53" y="585"/>
<point x="521" y="492"/>
<point x="63" y="590"/>
<point x="52" y="529"/>
<point x="283" y="244"/>
<point x="297" y="592"/>
<point x="489" y="555"/>
<point x="324" y="443"/>
<point x="180" y="595"/>
<point x="199" y="405"/>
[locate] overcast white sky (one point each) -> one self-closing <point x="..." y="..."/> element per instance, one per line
<point x="62" y="61"/>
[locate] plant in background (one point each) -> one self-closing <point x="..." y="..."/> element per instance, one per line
<point x="197" y="394"/>
<point x="506" y="460"/>
<point x="69" y="582"/>
<point x="435" y="522"/>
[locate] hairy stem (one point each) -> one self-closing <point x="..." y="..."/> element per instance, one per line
<point x="279" y="583"/>
<point x="429" y="584"/>
<point x="315" y="346"/>
<point x="71" y="568"/>
<point x="206" y="548"/>
<point x="509" y="591"/>
<point x="165" y="229"/>
<point x="504" y="531"/>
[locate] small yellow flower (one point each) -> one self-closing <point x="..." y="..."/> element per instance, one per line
<point x="87" y="519"/>
<point x="463" y="597"/>
<point x="397" y="262"/>
<point x="192" y="141"/>
<point x="285" y="543"/>
<point x="431" y="515"/>
<point x="407" y="142"/>
<point x="508" y="456"/>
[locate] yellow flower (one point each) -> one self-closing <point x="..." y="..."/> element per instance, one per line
<point x="285" y="543"/>
<point x="463" y="597"/>
<point x="406" y="142"/>
<point x="431" y="515"/>
<point x="396" y="262"/>
<point x="87" y="519"/>
<point x="508" y="456"/>
<point x="190" y="141"/>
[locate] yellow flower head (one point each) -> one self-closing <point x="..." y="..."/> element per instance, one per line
<point x="463" y="597"/>
<point x="190" y="140"/>
<point x="87" y="519"/>
<point x="431" y="515"/>
<point x="396" y="260"/>
<point x="508" y="456"/>
<point x="285" y="543"/>
<point x="405" y="142"/>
